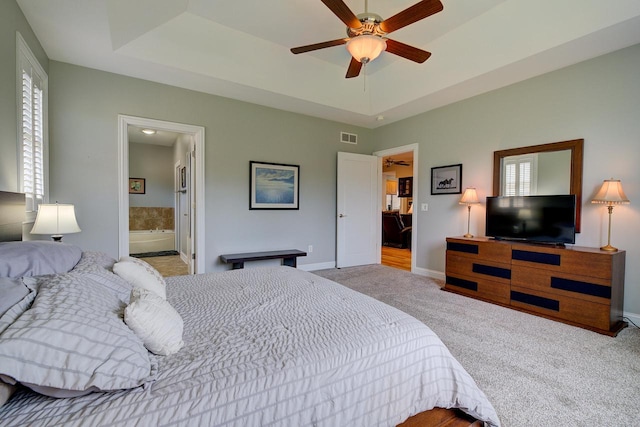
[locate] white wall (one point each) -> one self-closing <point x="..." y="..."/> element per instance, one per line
<point x="155" y="164"/>
<point x="598" y="100"/>
<point x="84" y="108"/>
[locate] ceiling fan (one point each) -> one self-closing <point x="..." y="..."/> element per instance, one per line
<point x="367" y="33"/>
<point x="390" y="162"/>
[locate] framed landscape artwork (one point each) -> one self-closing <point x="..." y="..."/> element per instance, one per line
<point x="137" y="186"/>
<point x="274" y="186"/>
<point x="446" y="179"/>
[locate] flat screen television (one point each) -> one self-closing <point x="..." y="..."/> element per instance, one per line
<point x="538" y="219"/>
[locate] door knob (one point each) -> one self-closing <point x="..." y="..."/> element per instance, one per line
<point x="341" y="216"/>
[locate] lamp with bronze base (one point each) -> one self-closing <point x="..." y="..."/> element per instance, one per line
<point x="610" y="194"/>
<point x="470" y="197"/>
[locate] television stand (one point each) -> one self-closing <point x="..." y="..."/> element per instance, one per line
<point x="577" y="285"/>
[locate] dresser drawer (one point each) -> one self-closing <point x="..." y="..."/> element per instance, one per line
<point x="478" y="288"/>
<point x="591" y="264"/>
<point x="489" y="250"/>
<point x="556" y="282"/>
<point x="478" y="268"/>
<point x="561" y="307"/>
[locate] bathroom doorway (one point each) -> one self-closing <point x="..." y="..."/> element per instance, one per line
<point x="161" y="193"/>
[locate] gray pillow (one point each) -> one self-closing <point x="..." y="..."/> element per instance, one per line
<point x="36" y="258"/>
<point x="12" y="290"/>
<point x="73" y="338"/>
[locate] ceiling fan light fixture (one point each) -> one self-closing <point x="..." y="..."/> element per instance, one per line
<point x="366" y="48"/>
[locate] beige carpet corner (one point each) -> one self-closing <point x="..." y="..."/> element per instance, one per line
<point x="535" y="371"/>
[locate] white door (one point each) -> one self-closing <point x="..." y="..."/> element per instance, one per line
<point x="191" y="155"/>
<point x="358" y="214"/>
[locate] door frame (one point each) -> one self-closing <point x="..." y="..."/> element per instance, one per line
<point x="197" y="132"/>
<point x="414" y="224"/>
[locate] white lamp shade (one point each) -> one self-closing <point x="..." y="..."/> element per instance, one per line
<point x="56" y="219"/>
<point x="366" y="47"/>
<point x="469" y="197"/>
<point x="611" y="193"/>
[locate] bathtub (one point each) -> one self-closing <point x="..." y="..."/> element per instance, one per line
<point x="143" y="241"/>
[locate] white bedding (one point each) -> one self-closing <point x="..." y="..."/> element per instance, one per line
<point x="278" y="346"/>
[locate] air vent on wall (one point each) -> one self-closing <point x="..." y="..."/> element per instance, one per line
<point x="348" y="138"/>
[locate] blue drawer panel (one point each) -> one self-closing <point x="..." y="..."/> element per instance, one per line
<point x="461" y="283"/>
<point x="547" y="303"/>
<point x="462" y="247"/>
<point x="581" y="287"/>
<point x="488" y="270"/>
<point x="540" y="258"/>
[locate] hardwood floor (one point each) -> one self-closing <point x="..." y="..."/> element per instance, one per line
<point x="396" y="258"/>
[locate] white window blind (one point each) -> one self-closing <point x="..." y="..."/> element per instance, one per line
<point x="32" y="135"/>
<point x="519" y="175"/>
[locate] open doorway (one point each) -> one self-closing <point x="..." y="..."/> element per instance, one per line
<point x="399" y="167"/>
<point x="168" y="201"/>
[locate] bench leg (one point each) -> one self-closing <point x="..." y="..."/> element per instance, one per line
<point x="289" y="262"/>
<point x="238" y="265"/>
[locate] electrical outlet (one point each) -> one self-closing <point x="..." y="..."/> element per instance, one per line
<point x="310" y="249"/>
<point x="425" y="207"/>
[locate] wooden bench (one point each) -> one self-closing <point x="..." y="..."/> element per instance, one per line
<point x="288" y="257"/>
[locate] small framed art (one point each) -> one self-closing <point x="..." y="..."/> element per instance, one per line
<point x="446" y="179"/>
<point x="274" y="186"/>
<point x="137" y="186"/>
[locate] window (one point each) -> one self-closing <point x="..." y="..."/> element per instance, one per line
<point x="32" y="126"/>
<point x="520" y="175"/>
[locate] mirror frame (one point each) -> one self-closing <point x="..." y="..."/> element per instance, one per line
<point x="575" y="186"/>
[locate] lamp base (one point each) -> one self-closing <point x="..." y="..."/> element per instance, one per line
<point x="56" y="237"/>
<point x="468" y="236"/>
<point x="609" y="248"/>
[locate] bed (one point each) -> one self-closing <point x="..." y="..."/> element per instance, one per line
<point x="264" y="346"/>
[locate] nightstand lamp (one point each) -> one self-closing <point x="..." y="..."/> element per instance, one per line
<point x="56" y="220"/>
<point x="470" y="197"/>
<point x="610" y="194"/>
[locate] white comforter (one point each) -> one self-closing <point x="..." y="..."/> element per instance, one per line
<point x="280" y="347"/>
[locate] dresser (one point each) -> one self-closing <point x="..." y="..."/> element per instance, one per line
<point x="577" y="285"/>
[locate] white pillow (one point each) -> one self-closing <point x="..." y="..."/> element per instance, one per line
<point x="155" y="322"/>
<point x="141" y="275"/>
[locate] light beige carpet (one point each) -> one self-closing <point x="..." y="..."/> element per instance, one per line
<point x="535" y="371"/>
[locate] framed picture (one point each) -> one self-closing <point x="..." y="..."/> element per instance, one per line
<point x="446" y="179"/>
<point x="136" y="186"/>
<point x="274" y="186"/>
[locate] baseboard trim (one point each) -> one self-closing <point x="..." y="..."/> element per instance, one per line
<point x="634" y="317"/>
<point x="429" y="273"/>
<point x="318" y="266"/>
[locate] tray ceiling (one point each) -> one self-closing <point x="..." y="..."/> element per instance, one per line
<point x="240" y="50"/>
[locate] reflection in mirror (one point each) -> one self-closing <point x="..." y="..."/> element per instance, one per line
<point x="545" y="169"/>
<point x="536" y="174"/>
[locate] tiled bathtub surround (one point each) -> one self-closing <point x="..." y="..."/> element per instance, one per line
<point x="141" y="218"/>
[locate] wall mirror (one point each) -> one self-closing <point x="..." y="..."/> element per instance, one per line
<point x="554" y="168"/>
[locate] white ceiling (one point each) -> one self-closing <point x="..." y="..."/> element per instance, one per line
<point x="240" y="49"/>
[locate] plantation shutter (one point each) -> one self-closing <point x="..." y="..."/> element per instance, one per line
<point x="32" y="123"/>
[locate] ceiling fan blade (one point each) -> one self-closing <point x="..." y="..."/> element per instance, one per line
<point x="310" y="47"/>
<point x="354" y="68"/>
<point x="343" y="12"/>
<point x="409" y="52"/>
<point x="410" y="15"/>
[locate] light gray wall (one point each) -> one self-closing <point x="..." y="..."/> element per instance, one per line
<point x="598" y="100"/>
<point x="155" y="164"/>
<point x="84" y="107"/>
<point x="12" y="20"/>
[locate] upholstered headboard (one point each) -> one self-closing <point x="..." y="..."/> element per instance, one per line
<point x="12" y="210"/>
